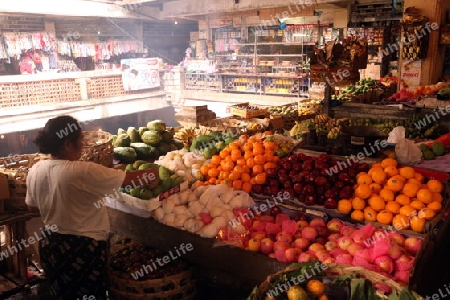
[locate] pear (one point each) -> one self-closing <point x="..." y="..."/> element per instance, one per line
<point x="297" y="293"/>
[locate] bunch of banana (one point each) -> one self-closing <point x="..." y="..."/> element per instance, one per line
<point x="334" y="133"/>
<point x="255" y="126"/>
<point x="202" y="131"/>
<point x="308" y="108"/>
<point x="186" y="135"/>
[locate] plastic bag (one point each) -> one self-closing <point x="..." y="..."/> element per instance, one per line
<point x="406" y="151"/>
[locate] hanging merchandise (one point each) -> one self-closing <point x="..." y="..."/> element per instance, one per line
<point x="416" y="32"/>
<point x="17" y="42"/>
<point x="99" y="51"/>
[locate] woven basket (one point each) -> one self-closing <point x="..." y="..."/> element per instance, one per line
<point x="98" y="147"/>
<point x="16" y="169"/>
<point x="180" y="286"/>
<point x="333" y="269"/>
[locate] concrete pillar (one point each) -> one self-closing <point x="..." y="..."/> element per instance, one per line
<point x="432" y="65"/>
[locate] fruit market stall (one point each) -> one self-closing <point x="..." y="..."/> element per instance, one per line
<point x="265" y="194"/>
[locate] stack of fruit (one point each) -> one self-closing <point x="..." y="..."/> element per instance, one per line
<point x="430" y="153"/>
<point x="324" y="124"/>
<point x="312" y="180"/>
<point x="243" y="162"/>
<point x="392" y="195"/>
<point x="146" y="143"/>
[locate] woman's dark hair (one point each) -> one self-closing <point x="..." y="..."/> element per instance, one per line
<point x="56" y="132"/>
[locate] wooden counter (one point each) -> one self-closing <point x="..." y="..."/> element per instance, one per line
<point x="241" y="267"/>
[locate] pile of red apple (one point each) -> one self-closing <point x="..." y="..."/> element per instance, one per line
<point x="287" y="240"/>
<point x="312" y="180"/>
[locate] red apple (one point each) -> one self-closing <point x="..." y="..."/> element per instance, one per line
<point x="344" y="258"/>
<point x="271" y="255"/>
<point x="404" y="262"/>
<point x="354" y="247"/>
<point x="284" y="236"/>
<point x="359" y="237"/>
<point x="402" y="276"/>
<point x="302" y="224"/>
<point x="259" y="235"/>
<point x="317" y="222"/>
<point x="413" y="245"/>
<point x="267" y="246"/>
<point x="397" y="238"/>
<point x="258" y="225"/>
<point x="344" y="242"/>
<point x="385" y="264"/>
<point x="272" y="228"/>
<point x="301" y="243"/>
<point x="395" y="251"/>
<point x="334" y="225"/>
<point x="330" y="245"/>
<point x="291" y="255"/>
<point x="254" y="245"/>
<point x="320" y="240"/>
<point x="309" y="232"/>
<point x="347" y="230"/>
<point x="334" y="236"/>
<point x="329" y="260"/>
<point x="306" y="257"/>
<point x="280" y="245"/>
<point x="321" y="254"/>
<point x="315" y="247"/>
<point x="280" y="255"/>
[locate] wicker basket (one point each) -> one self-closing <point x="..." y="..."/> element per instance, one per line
<point x="16" y="169"/>
<point x="332" y="269"/>
<point x="180" y="286"/>
<point x="98" y="148"/>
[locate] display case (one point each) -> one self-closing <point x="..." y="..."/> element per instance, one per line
<point x="203" y="81"/>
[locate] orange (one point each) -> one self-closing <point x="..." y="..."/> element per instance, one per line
<point x="245" y="177"/>
<point x="315" y="287"/>
<point x="370" y="214"/>
<point x="391" y="171"/>
<point x="257" y="149"/>
<point x="360" y="174"/>
<point x="424" y="195"/>
<point x="215" y="159"/>
<point x="435" y="206"/>
<point x="364" y="179"/>
<point x="375" y="187"/>
<point x="385" y="217"/>
<point x="407" y="172"/>
<point x="387" y="194"/>
<point x="426" y="213"/>
<point x="250" y="162"/>
<point x="377" y="203"/>
<point x="234" y="175"/>
<point x="224" y="174"/>
<point x="363" y="191"/>
<point x="414" y="181"/>
<point x="403" y="199"/>
<point x="259" y="159"/>
<point x="248" y="147"/>
<point x="212" y="180"/>
<point x="247" y="187"/>
<point x="389" y="162"/>
<point x="227" y="165"/>
<point x="418" y="224"/>
<point x="358" y="203"/>
<point x="270" y="146"/>
<point x="400" y="222"/>
<point x="408" y="210"/>
<point x="204" y="170"/>
<point x="224" y="153"/>
<point x="393" y="207"/>
<point x="344" y="206"/>
<point x="419" y="176"/>
<point x="235" y="154"/>
<point x="260" y="178"/>
<point x="378" y="176"/>
<point x="377" y="165"/>
<point x="213" y="172"/>
<point x="240" y="161"/>
<point x="323" y="297"/>
<point x="248" y="154"/>
<point x="374" y="169"/>
<point x="357" y="215"/>
<point x="394" y="184"/>
<point x="410" y="189"/>
<point x="416" y="204"/>
<point x="257" y="169"/>
<point x="435" y="186"/>
<point x="436" y="197"/>
<point x="237" y="184"/>
<point x="269" y="165"/>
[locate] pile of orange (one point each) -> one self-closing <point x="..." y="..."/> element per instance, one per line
<point x="242" y="163"/>
<point x="393" y="195"/>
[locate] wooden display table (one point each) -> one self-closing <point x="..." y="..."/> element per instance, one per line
<point x="242" y="268"/>
<point x="14" y="266"/>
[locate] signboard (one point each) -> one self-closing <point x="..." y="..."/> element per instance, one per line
<point x="140" y="73"/>
<point x="411" y="72"/>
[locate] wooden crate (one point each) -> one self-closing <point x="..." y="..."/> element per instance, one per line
<point x="246" y="113"/>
